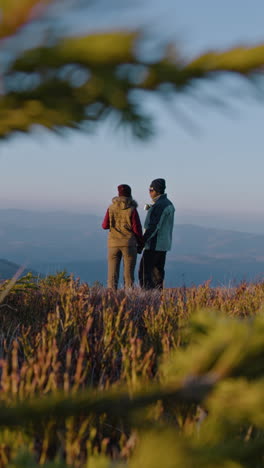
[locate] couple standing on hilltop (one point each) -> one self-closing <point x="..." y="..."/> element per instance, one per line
<point x="126" y="240"/>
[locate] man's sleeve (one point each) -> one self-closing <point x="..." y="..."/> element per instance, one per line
<point x="136" y="227"/>
<point x="106" y="221"/>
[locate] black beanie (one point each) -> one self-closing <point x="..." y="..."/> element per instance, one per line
<point x="158" y="185"/>
<point x="124" y="190"/>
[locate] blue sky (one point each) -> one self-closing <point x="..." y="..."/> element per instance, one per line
<point x="214" y="175"/>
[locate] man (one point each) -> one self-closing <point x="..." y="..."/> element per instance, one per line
<point x="157" y="237"/>
<point x="125" y="236"/>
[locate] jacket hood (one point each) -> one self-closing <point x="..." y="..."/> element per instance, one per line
<point x="124" y="202"/>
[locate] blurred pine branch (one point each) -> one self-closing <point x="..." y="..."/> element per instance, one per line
<point x="76" y="82"/>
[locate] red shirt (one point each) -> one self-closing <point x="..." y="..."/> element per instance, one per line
<point x="135" y="223"/>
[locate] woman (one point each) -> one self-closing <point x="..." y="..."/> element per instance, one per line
<point x="125" y="236"/>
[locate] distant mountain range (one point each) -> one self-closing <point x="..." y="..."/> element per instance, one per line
<point x="7" y="269"/>
<point x="47" y="242"/>
<point x="28" y="236"/>
<point x="190" y="240"/>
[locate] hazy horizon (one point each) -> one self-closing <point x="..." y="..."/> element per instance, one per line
<point x="242" y="222"/>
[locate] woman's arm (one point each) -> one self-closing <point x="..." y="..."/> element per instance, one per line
<point x="137" y="228"/>
<point x="106" y="221"/>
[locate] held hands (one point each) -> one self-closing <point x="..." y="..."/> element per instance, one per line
<point x="140" y="248"/>
<point x="140" y="244"/>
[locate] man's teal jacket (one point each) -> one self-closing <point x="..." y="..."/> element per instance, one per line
<point x="159" y="225"/>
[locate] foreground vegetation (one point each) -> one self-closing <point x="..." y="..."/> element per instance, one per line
<point x="97" y="379"/>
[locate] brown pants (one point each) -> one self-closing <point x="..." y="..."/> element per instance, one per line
<point x="115" y="255"/>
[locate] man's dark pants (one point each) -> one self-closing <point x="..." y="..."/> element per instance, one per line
<point x="151" y="269"/>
